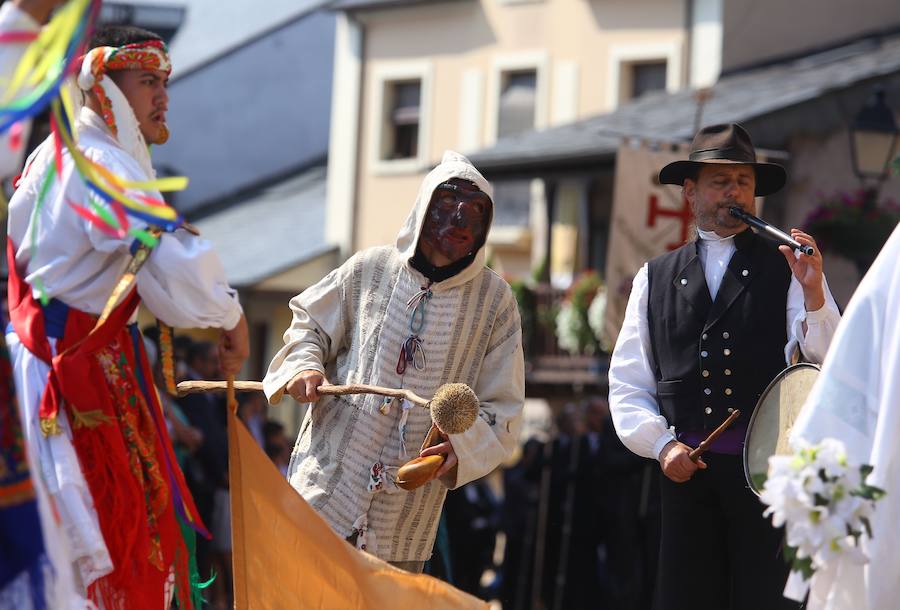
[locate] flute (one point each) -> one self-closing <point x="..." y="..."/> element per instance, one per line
<point x="776" y="234"/>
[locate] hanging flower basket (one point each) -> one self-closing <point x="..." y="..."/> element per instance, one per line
<point x="573" y="322"/>
<point x="853" y="225"/>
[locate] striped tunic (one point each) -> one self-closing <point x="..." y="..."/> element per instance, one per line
<point x="350" y="326"/>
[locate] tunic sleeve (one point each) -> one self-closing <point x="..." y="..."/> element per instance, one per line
<point x="500" y="388"/>
<point x="316" y="334"/>
<point x="182" y="282"/>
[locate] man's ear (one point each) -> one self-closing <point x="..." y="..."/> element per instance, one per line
<point x="689" y="190"/>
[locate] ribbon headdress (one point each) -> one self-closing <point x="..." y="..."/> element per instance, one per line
<point x="117" y="112"/>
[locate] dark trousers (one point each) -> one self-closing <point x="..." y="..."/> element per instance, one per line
<point x="717" y="552"/>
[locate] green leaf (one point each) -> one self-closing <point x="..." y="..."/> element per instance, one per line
<point x="867" y="525"/>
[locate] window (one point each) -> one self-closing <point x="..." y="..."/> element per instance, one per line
<point x="402" y="105"/>
<point x="397" y="117"/>
<point x="638" y="69"/>
<point x="647" y="76"/>
<point x="518" y="98"/>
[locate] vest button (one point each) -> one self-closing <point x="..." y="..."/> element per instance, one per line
<point x="707" y="391"/>
<point x="727" y="352"/>
<point x="683" y="282"/>
<point x="704" y="336"/>
<point x="727" y="391"/>
<point x="705" y="373"/>
<point x="708" y="410"/>
<point x="728" y="371"/>
<point x="745" y="273"/>
<point x="725" y="335"/>
<point x="704" y="353"/>
<point x="731" y="409"/>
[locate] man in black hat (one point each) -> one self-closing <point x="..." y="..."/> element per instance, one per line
<point x="707" y="327"/>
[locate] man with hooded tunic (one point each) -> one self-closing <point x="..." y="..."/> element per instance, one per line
<point x="92" y="419"/>
<point x="415" y="315"/>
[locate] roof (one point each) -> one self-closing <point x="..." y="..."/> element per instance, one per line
<point x="738" y="97"/>
<point x="355" y="5"/>
<point x="213" y="27"/>
<point x="272" y="231"/>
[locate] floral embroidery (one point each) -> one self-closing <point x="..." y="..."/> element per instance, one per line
<point x="376" y="477"/>
<point x="139" y="434"/>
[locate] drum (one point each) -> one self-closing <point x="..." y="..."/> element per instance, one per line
<point x="773" y="418"/>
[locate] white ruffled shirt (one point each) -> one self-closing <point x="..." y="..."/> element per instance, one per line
<point x="632" y="381"/>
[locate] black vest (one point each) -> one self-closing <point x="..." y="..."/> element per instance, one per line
<point x="715" y="356"/>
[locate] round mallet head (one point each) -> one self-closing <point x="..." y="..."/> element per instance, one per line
<point x="454" y="408"/>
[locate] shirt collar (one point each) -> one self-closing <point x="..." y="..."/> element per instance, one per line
<point x="712" y="236"/>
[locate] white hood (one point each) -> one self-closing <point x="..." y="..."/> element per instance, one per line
<point x="452" y="165"/>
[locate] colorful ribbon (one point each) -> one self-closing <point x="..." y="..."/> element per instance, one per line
<point x="53" y="55"/>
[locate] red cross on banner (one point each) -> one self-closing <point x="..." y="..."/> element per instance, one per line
<point x="648" y="219"/>
<point x="684" y="215"/>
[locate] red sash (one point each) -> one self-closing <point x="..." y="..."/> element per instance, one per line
<point x="122" y="445"/>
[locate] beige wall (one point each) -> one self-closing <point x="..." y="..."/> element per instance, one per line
<point x="754" y="30"/>
<point x="822" y="165"/>
<point x="570" y="41"/>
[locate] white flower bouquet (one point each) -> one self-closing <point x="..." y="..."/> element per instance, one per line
<point x="825" y="505"/>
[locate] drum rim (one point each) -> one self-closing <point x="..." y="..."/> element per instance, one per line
<point x="765" y="393"/>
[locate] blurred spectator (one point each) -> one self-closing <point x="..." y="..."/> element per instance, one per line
<point x="209" y="479"/>
<point x="181" y="350"/>
<point x="185" y="438"/>
<point x="518" y="520"/>
<point x="472" y="514"/>
<point x="252" y="412"/>
<point x="572" y="532"/>
<point x="626" y="506"/>
<point x="277" y="445"/>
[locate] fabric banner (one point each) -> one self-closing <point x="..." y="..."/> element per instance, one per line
<point x="648" y="219"/>
<point x="286" y="556"/>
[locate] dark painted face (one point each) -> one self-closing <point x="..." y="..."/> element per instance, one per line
<point x="456" y="221"/>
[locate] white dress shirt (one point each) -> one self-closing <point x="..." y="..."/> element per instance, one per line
<point x="632" y="380"/>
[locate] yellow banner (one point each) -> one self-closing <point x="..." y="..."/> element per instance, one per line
<point x="286" y="556"/>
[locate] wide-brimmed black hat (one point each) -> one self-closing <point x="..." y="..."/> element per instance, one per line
<point x="727" y="143"/>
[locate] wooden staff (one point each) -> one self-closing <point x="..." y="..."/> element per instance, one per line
<point x="696" y="453"/>
<point x="195" y="387"/>
<point x="230" y="399"/>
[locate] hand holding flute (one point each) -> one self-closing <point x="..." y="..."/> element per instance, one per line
<point x="807" y="267"/>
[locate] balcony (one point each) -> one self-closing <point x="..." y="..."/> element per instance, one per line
<point x="549" y="369"/>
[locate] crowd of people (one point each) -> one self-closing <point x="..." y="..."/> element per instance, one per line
<point x="579" y="518"/>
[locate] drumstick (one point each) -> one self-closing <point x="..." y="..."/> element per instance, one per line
<point x="696" y="453"/>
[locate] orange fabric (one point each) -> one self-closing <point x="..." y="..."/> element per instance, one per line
<point x="286" y="556"/>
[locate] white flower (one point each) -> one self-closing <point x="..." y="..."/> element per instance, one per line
<point x="814" y="494"/>
<point x="596" y="316"/>
<point x="568" y="328"/>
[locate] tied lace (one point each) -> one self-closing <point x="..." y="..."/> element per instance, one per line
<point x="411" y="351"/>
